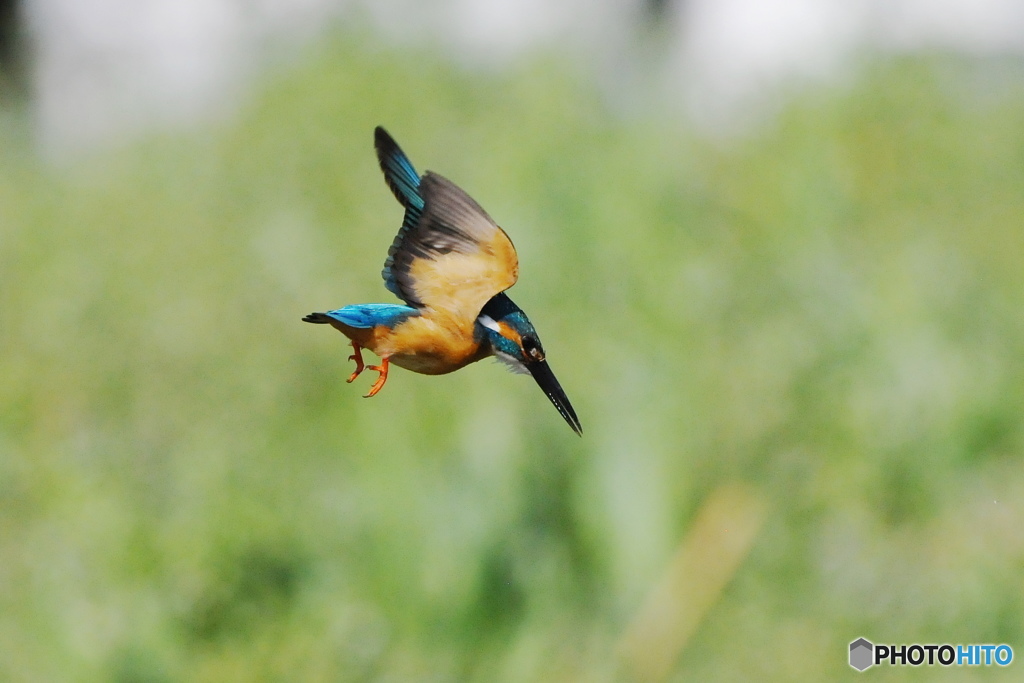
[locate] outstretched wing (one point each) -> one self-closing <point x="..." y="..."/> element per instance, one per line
<point x="454" y="258"/>
<point x="449" y="255"/>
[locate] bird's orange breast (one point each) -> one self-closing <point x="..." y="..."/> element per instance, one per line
<point x="432" y="343"/>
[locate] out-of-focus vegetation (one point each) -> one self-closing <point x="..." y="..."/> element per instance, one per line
<point x="820" y="323"/>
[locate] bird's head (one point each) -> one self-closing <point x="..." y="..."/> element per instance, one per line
<point x="513" y="340"/>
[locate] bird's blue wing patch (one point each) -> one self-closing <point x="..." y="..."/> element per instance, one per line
<point x="404" y="182"/>
<point x="399" y="173"/>
<point x="371" y="315"/>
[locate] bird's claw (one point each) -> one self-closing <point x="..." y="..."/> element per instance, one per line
<point x="383" y="370"/>
<point x="358" y="358"/>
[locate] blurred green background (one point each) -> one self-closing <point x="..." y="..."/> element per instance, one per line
<point x="809" y="336"/>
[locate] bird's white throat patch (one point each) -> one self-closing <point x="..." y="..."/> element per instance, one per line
<point x="512" y="363"/>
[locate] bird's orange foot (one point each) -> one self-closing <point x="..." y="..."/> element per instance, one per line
<point x="383" y="370"/>
<point x="358" y="358"/>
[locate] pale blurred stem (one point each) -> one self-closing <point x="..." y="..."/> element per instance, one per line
<point x="719" y="539"/>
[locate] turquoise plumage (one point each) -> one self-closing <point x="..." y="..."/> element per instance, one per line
<point x="370" y="315"/>
<point x="404" y="182"/>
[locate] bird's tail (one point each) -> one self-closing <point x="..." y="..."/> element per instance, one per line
<point x="318" y="318"/>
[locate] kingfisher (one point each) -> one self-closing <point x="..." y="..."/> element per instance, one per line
<point x="451" y="264"/>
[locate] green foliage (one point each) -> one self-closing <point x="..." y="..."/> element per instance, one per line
<point x="828" y="311"/>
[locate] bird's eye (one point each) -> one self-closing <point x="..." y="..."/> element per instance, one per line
<point x="532" y="349"/>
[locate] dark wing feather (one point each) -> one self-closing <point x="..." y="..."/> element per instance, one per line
<point x="401" y="177"/>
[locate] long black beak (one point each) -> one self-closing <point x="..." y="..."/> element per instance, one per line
<point x="546" y="379"/>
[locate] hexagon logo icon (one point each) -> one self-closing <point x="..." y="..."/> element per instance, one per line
<point x="861" y="651"/>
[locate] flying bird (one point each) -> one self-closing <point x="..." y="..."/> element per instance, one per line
<point x="451" y="264"/>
